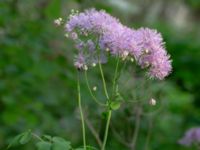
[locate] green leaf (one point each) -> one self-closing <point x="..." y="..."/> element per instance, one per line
<point x="15" y="141"/>
<point x="43" y="145"/>
<point x="60" y="144"/>
<point x="26" y="137"/>
<point x="115" y="105"/>
<point x="22" y="138"/>
<point x="47" y="137"/>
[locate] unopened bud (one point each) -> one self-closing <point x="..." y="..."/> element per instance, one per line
<point x="94" y="88"/>
<point x="73" y="11"/>
<point x="66" y="35"/>
<point x="146" y="51"/>
<point x="152" y="102"/>
<point x="146" y="64"/>
<point x="107" y="49"/>
<point x="58" y="21"/>
<point x="124" y="55"/>
<point x="132" y="60"/>
<point x="85" y="67"/>
<point x="93" y="64"/>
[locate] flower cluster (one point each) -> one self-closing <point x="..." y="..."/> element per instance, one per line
<point x="107" y="34"/>
<point x="192" y="136"/>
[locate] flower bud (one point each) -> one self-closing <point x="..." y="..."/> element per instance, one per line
<point x="93" y="64"/>
<point x="85" y="67"/>
<point x="107" y="49"/>
<point x="132" y="60"/>
<point x="66" y="35"/>
<point x="58" y="21"/>
<point x="152" y="102"/>
<point x="94" y="88"/>
<point x="146" y="51"/>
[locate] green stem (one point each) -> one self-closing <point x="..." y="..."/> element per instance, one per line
<point x="91" y="93"/>
<point x="37" y="137"/>
<point x="106" y="131"/>
<point x="103" y="79"/>
<point x="148" y="134"/>
<point x="115" y="75"/>
<point x="137" y="127"/>
<point x="81" y="112"/>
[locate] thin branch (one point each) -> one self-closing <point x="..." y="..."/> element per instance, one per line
<point x="93" y="131"/>
<point x="90" y="91"/>
<point x="148" y="134"/>
<point x="119" y="138"/>
<point x="137" y="127"/>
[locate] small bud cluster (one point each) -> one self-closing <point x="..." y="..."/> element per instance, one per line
<point x="58" y="21"/>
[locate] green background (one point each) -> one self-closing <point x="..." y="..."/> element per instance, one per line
<point x="38" y="79"/>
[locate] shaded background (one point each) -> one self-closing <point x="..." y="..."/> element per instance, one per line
<point x="38" y="80"/>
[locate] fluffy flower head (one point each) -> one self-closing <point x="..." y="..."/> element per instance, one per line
<point x="144" y="45"/>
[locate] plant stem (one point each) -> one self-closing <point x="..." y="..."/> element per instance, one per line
<point x="103" y="79"/>
<point x="81" y="112"/>
<point x="149" y="133"/>
<point x="106" y="130"/>
<point x="137" y="127"/>
<point x="93" y="131"/>
<point x="37" y="137"/>
<point x="93" y="97"/>
<point x="115" y="75"/>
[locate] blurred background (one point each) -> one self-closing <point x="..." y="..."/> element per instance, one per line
<point x="38" y="79"/>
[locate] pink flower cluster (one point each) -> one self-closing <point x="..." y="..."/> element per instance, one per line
<point x="144" y="45"/>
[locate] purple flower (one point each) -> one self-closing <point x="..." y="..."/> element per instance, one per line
<point x="192" y="136"/>
<point x="91" y="21"/>
<point x="74" y="35"/>
<point x="153" y="52"/>
<point x="91" y="45"/>
<point x="80" y="61"/>
<point x="145" y="45"/>
<point x="79" y="45"/>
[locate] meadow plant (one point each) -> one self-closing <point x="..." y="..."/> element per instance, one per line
<point x="106" y="36"/>
<point x="98" y="36"/>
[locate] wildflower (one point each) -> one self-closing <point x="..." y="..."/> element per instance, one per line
<point x="192" y="136"/>
<point x="80" y="45"/>
<point x="153" y="53"/>
<point x="80" y="61"/>
<point x="144" y="45"/>
<point x="91" y="45"/>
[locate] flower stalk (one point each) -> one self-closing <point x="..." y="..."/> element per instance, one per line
<point x="81" y="112"/>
